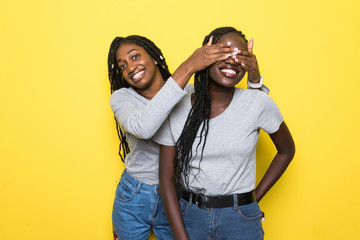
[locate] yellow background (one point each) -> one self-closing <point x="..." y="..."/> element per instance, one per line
<point x="58" y="144"/>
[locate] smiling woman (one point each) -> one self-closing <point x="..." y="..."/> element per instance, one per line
<point x="141" y="101"/>
<point x="138" y="68"/>
<point x="208" y="150"/>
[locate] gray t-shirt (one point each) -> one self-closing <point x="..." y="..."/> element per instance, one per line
<point x="139" y="119"/>
<point x="228" y="165"/>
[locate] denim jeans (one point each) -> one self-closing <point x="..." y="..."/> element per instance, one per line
<point x="137" y="209"/>
<point x="233" y="223"/>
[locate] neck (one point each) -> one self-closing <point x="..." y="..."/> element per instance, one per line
<point x="219" y="94"/>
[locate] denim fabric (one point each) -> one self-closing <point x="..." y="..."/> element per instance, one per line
<point x="137" y="208"/>
<point x="233" y="223"/>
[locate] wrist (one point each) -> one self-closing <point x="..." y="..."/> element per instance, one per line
<point x="182" y="74"/>
<point x="255" y="80"/>
<point x="255" y="84"/>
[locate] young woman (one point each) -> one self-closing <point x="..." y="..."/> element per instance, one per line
<point x="208" y="150"/>
<point x="141" y="100"/>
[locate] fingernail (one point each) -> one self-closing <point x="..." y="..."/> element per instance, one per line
<point x="243" y="64"/>
<point x="227" y="55"/>
<point x="236" y="49"/>
<point x="233" y="56"/>
<point x="228" y="43"/>
<point x="236" y="60"/>
<point x="263" y="219"/>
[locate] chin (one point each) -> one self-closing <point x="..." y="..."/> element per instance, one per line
<point x="229" y="82"/>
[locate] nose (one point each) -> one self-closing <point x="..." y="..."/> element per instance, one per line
<point x="131" y="67"/>
<point x="230" y="60"/>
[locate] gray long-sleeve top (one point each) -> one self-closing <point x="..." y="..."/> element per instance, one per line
<point x="140" y="119"/>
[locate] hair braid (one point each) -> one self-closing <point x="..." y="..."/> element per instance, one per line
<point x="117" y="80"/>
<point x="198" y="116"/>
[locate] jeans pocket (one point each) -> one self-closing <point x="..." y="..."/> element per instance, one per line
<point x="123" y="192"/>
<point x="184" y="206"/>
<point x="250" y="211"/>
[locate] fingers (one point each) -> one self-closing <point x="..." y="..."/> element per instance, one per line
<point x="251" y="45"/>
<point x="241" y="52"/>
<point x="210" y="41"/>
<point x="243" y="60"/>
<point x="222" y="57"/>
<point x="216" y="50"/>
<point x="224" y="44"/>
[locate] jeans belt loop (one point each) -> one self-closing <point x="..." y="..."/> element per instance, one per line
<point x="190" y="198"/>
<point x="236" y="204"/>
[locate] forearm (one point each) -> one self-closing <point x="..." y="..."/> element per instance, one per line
<point x="168" y="192"/>
<point x="286" y="150"/>
<point x="172" y="209"/>
<point x="274" y="172"/>
<point x="143" y="122"/>
<point x="183" y="74"/>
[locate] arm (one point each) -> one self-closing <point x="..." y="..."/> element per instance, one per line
<point x="286" y="149"/>
<point x="250" y="64"/>
<point x="201" y="59"/>
<point x="168" y="192"/>
<point x="144" y="122"/>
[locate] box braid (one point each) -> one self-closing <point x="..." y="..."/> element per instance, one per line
<point x="117" y="80"/>
<point x="199" y="116"/>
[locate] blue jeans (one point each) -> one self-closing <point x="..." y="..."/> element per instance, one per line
<point x="233" y="223"/>
<point x="137" y="208"/>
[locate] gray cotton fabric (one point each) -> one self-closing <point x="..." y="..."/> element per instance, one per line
<point x="228" y="165"/>
<point x="139" y="119"/>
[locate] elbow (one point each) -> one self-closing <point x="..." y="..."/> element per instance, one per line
<point x="145" y="135"/>
<point x="290" y="153"/>
<point x="140" y="132"/>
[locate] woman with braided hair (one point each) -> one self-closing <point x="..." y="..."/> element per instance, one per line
<point x="208" y="150"/>
<point x="143" y="94"/>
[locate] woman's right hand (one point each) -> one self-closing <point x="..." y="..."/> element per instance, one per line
<point x="201" y="59"/>
<point x="208" y="55"/>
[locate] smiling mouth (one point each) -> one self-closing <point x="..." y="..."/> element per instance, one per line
<point x="138" y="75"/>
<point x="228" y="72"/>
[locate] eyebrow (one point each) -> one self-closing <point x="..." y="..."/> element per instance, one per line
<point x="127" y="54"/>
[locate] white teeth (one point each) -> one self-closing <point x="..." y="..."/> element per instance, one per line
<point x="230" y="71"/>
<point x="137" y="75"/>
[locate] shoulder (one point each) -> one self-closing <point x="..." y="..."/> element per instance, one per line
<point x="125" y="95"/>
<point x="253" y="96"/>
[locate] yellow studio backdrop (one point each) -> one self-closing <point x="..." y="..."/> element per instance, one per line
<point x="59" y="164"/>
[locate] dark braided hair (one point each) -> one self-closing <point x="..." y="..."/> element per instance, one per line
<point x="199" y="116"/>
<point x="117" y="80"/>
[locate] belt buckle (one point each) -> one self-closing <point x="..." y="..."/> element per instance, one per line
<point x="201" y="201"/>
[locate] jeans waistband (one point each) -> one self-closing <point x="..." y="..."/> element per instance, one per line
<point x="138" y="184"/>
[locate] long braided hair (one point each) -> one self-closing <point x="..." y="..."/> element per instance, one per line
<point x="117" y="80"/>
<point x="199" y="116"/>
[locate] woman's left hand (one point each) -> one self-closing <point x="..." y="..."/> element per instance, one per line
<point x="248" y="62"/>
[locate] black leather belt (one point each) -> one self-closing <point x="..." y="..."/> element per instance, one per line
<point x="203" y="201"/>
